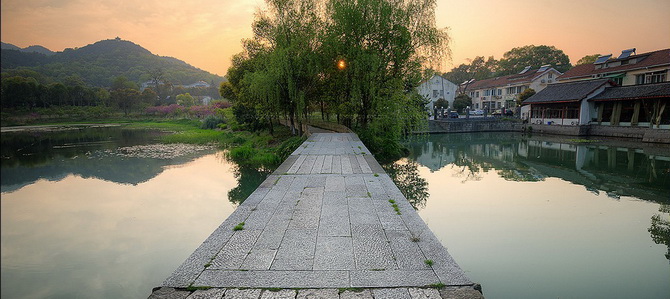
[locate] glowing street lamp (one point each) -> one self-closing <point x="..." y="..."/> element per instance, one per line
<point x="341" y="64"/>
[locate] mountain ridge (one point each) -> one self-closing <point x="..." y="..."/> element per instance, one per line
<point x="99" y="63"/>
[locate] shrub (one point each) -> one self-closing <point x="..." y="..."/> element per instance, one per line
<point x="211" y="122"/>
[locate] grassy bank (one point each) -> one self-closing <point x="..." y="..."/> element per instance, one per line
<point x="249" y="149"/>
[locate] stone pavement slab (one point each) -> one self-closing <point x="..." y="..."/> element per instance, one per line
<point x="322" y="221"/>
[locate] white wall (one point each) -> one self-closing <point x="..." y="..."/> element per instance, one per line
<point x="445" y="90"/>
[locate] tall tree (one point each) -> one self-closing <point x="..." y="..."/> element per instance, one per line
<point x="588" y="59"/>
<point x="479" y="68"/>
<point x="517" y="59"/>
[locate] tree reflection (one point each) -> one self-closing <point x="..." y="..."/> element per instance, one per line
<point x="248" y="179"/>
<point x="660" y="228"/>
<point x="405" y="175"/>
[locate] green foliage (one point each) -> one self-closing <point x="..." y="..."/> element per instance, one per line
<point x="527" y="93"/>
<point x="588" y="59"/>
<point x="517" y="59"/>
<point x="429" y="263"/>
<point x="97" y="64"/>
<point x="185" y="100"/>
<point x="291" y="66"/>
<point x="246" y="115"/>
<point x="441" y="103"/>
<point x="478" y="69"/>
<point x="239" y="226"/>
<point x="226" y="91"/>
<point x="462" y="101"/>
<point x="288" y="146"/>
<point x="660" y="228"/>
<point x="411" y="184"/>
<point x="212" y="122"/>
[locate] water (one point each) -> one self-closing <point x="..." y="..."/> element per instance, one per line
<point x="545" y="217"/>
<point x="95" y="214"/>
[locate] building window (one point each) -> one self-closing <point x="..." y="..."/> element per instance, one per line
<point x="519" y="89"/>
<point x="550" y="75"/>
<point x="476" y="105"/>
<point x="477" y="94"/>
<point x="487" y="93"/>
<point x="649" y="78"/>
<point x="499" y="92"/>
<point x="435" y="93"/>
<point x="472" y="94"/>
<point x="511" y="90"/>
<point x="618" y="81"/>
<point x="442" y="93"/>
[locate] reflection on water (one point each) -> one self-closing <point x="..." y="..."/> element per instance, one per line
<point x="599" y="166"/>
<point x="548" y="217"/>
<point x="105" y="213"/>
<point x="406" y="176"/>
<point x="248" y="179"/>
<point x="660" y="228"/>
<point x="111" y="154"/>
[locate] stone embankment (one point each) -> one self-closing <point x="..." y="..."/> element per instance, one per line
<point x="328" y="223"/>
<point x="471" y="125"/>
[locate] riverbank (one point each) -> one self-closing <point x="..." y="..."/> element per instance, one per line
<point x="472" y="125"/>
<point x="248" y="149"/>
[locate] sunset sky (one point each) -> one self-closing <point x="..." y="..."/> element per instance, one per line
<point x="206" y="33"/>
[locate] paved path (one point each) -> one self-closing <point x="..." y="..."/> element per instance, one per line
<point x="327" y="218"/>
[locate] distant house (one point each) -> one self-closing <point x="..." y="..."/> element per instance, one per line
<point x="199" y="84"/>
<point x="565" y="104"/>
<point x="501" y="92"/>
<point x="627" y="69"/>
<point x="628" y="91"/>
<point x="150" y="84"/>
<point x="435" y="88"/>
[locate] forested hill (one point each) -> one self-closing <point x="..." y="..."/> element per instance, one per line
<point x="99" y="63"/>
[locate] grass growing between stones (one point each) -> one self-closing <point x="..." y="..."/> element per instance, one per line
<point x="239" y="226"/>
<point x="428" y="262"/>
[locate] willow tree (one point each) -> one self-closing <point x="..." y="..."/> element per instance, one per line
<point x="284" y="49"/>
<point x="385" y="44"/>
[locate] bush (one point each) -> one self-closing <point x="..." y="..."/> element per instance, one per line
<point x="288" y="146"/>
<point x="211" y="122"/>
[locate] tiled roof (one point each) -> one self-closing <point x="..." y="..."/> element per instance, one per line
<point x="645" y="91"/>
<point x="659" y="57"/>
<point x="507" y="80"/>
<point x="566" y="92"/>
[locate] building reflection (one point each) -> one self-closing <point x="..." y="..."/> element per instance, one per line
<point x="614" y="167"/>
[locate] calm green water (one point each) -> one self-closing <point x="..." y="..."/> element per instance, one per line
<point x="546" y="217"/>
<point x="107" y="213"/>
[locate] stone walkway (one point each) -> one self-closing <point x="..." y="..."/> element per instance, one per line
<point x="328" y="221"/>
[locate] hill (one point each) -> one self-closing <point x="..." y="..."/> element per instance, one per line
<point x="99" y="63"/>
<point x="30" y="49"/>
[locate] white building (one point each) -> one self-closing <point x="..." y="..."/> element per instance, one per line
<point x="437" y="88"/>
<point x="501" y="92"/>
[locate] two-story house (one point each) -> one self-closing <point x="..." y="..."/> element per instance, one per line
<point x="631" y="90"/>
<point x="437" y="88"/>
<point x="501" y="92"/>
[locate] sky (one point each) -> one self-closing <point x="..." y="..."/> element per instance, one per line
<point x="206" y="33"/>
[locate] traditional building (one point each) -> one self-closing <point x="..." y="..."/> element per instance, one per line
<point x="437" y="88"/>
<point x="502" y="92"/>
<point x="565" y="104"/>
<point x="628" y="91"/>
<point x="627" y="69"/>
